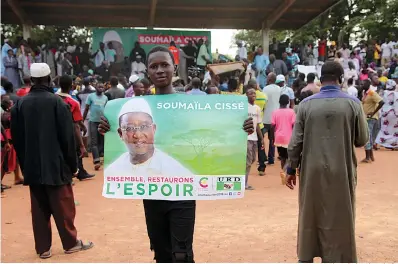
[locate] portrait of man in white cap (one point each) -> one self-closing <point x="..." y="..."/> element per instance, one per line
<point x="137" y="130"/>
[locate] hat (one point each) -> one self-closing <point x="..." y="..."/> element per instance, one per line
<point x="136" y="105"/>
<point x="38" y="70"/>
<point x="280" y="78"/>
<point x="91" y="72"/>
<point x="391" y="84"/>
<point x="133" y="78"/>
<point x="43" y="46"/>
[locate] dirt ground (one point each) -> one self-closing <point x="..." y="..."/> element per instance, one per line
<point x="262" y="227"/>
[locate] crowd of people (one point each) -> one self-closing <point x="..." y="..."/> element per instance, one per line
<point x="53" y="102"/>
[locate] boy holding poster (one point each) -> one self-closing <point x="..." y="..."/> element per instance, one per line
<point x="255" y="113"/>
<point x="170" y="224"/>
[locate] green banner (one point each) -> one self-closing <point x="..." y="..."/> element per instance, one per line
<point x="123" y="39"/>
<point x="176" y="147"/>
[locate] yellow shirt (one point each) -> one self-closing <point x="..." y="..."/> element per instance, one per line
<point x="241" y="88"/>
<point x="238" y="93"/>
<point x="261" y="101"/>
<point x="370" y="102"/>
<point x="383" y="79"/>
<point x="377" y="52"/>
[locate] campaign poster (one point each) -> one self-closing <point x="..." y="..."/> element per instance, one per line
<point x="176" y="147"/>
<point x="123" y="39"/>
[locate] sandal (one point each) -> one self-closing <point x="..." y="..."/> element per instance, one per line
<point x="19" y="182"/>
<point x="45" y="255"/>
<point x="80" y="246"/>
<point x="366" y="161"/>
<point x="5" y="187"/>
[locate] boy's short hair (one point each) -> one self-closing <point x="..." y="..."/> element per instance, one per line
<point x="284" y="99"/>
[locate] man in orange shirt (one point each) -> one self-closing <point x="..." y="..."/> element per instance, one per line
<point x="176" y="53"/>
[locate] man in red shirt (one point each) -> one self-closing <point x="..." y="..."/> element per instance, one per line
<point x="322" y="49"/>
<point x="24" y="90"/>
<point x="65" y="82"/>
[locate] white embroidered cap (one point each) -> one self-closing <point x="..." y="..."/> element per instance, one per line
<point x="38" y="70"/>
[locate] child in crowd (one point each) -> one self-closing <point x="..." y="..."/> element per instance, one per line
<point x="282" y="124"/>
<point x="224" y="85"/>
<point x="96" y="104"/>
<point x="147" y="86"/>
<point x="255" y="113"/>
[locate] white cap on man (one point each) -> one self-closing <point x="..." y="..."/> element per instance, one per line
<point x="280" y="78"/>
<point x="38" y="70"/>
<point x="136" y="105"/>
<point x="133" y="78"/>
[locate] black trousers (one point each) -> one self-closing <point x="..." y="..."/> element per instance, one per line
<point x="59" y="202"/>
<point x="170" y="226"/>
<point x="262" y="156"/>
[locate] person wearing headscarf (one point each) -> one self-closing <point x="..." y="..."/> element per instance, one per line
<point x="388" y="134"/>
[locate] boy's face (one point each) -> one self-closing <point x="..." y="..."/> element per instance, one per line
<point x="251" y="95"/>
<point x="100" y="87"/>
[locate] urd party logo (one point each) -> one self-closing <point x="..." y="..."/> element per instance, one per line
<point x="229" y="183"/>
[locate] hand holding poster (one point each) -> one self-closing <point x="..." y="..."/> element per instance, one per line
<point x="176" y="147"/>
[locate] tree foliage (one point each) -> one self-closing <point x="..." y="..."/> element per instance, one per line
<point x="254" y="37"/>
<point x="49" y="34"/>
<point x="349" y="21"/>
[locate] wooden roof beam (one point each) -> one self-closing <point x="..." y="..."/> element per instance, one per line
<point x="163" y="7"/>
<point x="82" y="5"/>
<point x="152" y="13"/>
<point x="270" y="21"/>
<point x="18" y="11"/>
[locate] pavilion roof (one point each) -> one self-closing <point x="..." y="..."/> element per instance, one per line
<point x="226" y="14"/>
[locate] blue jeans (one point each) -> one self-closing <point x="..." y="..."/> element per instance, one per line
<point x="271" y="148"/>
<point x="371" y="124"/>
